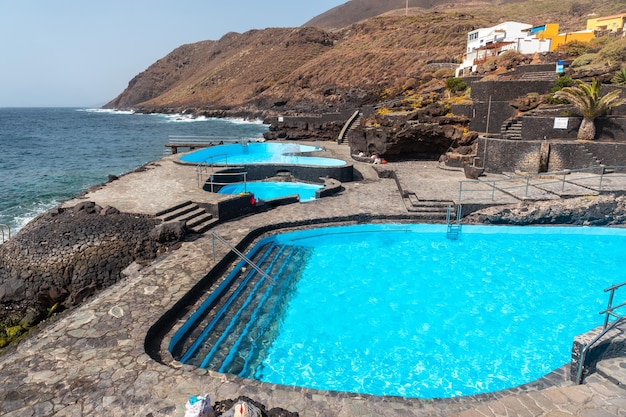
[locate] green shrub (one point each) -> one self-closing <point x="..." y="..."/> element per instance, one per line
<point x="614" y="52"/>
<point x="561" y="82"/>
<point x="573" y="48"/>
<point x="584" y="59"/>
<point x="455" y="85"/>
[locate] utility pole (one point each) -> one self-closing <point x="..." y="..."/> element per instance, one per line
<point x="406" y="9"/>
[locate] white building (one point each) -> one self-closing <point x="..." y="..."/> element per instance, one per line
<point x="487" y="42"/>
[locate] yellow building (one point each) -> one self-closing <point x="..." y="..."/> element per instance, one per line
<point x="613" y="23"/>
<point x="563" y="38"/>
<point x="550" y="31"/>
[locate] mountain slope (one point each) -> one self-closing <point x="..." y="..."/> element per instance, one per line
<point x="311" y="70"/>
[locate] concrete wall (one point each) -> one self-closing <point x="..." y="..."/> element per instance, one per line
<point x="301" y="172"/>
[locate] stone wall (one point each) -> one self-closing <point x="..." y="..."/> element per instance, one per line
<point x="307" y="127"/>
<point x="502" y="155"/>
<point x="66" y="255"/>
<point x="507" y="90"/>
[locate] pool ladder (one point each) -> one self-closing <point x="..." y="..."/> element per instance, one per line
<point x="608" y="325"/>
<point x="454" y="228"/>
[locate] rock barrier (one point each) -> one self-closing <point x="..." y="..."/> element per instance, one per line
<point x="66" y="255"/>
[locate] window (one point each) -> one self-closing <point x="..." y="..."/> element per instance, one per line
<point x="473" y="36"/>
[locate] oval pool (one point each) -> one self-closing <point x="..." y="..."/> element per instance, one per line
<point x="267" y="190"/>
<point x="260" y="153"/>
<point x="400" y="310"/>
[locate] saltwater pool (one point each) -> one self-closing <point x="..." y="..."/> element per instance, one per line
<point x="400" y="310"/>
<point x="260" y="153"/>
<point x="267" y="190"/>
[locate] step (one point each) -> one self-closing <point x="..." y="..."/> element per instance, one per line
<point x="201" y="331"/>
<point x="249" y="346"/>
<point x="179" y="212"/>
<point x="204" y="224"/>
<point x="241" y="323"/>
<point x="173" y="208"/>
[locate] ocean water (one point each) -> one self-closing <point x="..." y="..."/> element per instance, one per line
<point x="48" y="155"/>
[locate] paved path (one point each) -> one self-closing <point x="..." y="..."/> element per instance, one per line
<point x="92" y="361"/>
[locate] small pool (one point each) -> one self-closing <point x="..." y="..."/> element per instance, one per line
<point x="267" y="190"/>
<point x="260" y="153"/>
<point x="400" y="310"/>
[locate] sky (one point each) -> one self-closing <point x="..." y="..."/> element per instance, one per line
<point x="77" y="53"/>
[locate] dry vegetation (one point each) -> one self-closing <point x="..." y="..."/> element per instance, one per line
<point x="287" y="70"/>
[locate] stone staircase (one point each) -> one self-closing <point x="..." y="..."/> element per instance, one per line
<point x="350" y="125"/>
<point x="539" y="76"/>
<point x="593" y="159"/>
<point x="428" y="209"/>
<point x="195" y="217"/>
<point x="512" y="128"/>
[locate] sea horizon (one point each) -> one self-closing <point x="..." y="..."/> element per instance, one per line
<point x="53" y="154"/>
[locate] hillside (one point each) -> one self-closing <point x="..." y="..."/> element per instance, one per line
<point x="308" y="69"/>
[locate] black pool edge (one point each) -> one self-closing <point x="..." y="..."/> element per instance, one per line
<point x="156" y="346"/>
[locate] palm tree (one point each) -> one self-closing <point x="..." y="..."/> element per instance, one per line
<point x="586" y="99"/>
<point x="619" y="77"/>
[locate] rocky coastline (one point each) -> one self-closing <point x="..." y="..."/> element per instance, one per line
<point x="66" y="255"/>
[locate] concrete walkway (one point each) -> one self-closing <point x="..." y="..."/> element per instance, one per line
<point x="92" y="360"/>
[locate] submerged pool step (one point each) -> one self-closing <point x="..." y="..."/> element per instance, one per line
<point x="196" y="332"/>
<point x="241" y="328"/>
<point x="257" y="335"/>
<point x="216" y="327"/>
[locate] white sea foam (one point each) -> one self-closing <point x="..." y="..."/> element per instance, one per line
<point x="185" y="118"/>
<point x="110" y="111"/>
<point x="29" y="213"/>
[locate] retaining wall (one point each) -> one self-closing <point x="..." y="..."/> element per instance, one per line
<point x="502" y="155"/>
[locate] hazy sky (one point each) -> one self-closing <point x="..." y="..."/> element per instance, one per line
<point x="83" y="53"/>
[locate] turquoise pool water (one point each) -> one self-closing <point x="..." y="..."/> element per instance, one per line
<point x="260" y="153"/>
<point x="397" y="309"/>
<point x="267" y="190"/>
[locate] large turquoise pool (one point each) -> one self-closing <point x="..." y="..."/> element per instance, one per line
<point x="400" y="310"/>
<point x="260" y="153"/>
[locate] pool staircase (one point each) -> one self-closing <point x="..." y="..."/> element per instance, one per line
<point x="195" y="217"/>
<point x="235" y="325"/>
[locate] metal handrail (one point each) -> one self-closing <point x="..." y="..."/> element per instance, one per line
<point x="606" y="327"/>
<point x="244" y="174"/>
<point x="241" y="255"/>
<point x="453" y="230"/>
<point x="495" y="184"/>
<point x="2" y="228"/>
<point x="203" y="166"/>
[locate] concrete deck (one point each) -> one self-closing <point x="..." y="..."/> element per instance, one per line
<point x="92" y="360"/>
